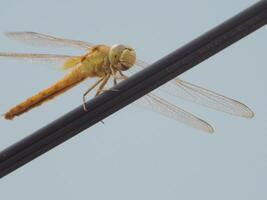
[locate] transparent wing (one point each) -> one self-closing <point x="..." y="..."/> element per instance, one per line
<point x="39" y="39"/>
<point x="202" y="96"/>
<point x="46" y="58"/>
<point x="141" y="63"/>
<point x="159" y="105"/>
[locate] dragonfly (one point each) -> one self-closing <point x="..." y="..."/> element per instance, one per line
<point x="110" y="62"/>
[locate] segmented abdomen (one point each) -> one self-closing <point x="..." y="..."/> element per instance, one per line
<point x="70" y="80"/>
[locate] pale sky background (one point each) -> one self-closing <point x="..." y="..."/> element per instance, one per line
<point x="138" y="154"/>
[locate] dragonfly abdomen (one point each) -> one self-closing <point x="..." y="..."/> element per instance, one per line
<point x="69" y="81"/>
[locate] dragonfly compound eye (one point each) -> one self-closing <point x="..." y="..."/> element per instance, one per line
<point x="122" y="57"/>
<point x="127" y="58"/>
<point x="114" y="54"/>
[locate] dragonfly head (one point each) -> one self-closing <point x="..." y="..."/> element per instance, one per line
<point x="122" y="57"/>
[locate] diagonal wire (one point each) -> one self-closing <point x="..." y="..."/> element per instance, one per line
<point x="133" y="88"/>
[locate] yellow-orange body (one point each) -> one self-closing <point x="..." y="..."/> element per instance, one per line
<point x="94" y="64"/>
<point x="105" y="62"/>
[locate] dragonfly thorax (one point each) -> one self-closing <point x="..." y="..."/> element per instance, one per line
<point x="122" y="57"/>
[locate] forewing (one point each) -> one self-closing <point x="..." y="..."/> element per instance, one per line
<point x="39" y="39"/>
<point x="202" y="96"/>
<point x="159" y="105"/>
<point x="141" y="63"/>
<point x="61" y="60"/>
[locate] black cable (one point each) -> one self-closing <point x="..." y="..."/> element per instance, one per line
<point x="135" y="87"/>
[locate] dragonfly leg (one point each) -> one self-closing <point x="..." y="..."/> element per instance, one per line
<point x="89" y="90"/>
<point x="104" y="90"/>
<point x="113" y="72"/>
<point x="122" y="75"/>
<point x="102" y="85"/>
<point x="100" y="88"/>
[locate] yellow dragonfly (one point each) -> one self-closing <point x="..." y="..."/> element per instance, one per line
<point x="106" y="62"/>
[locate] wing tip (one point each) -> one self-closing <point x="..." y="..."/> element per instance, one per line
<point x="247" y="112"/>
<point x="17" y="34"/>
<point x="8" y="33"/>
<point x="11" y="34"/>
<point x="209" y="129"/>
<point x="205" y="126"/>
<point x="250" y="114"/>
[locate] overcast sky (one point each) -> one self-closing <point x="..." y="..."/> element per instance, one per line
<point x="137" y="154"/>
